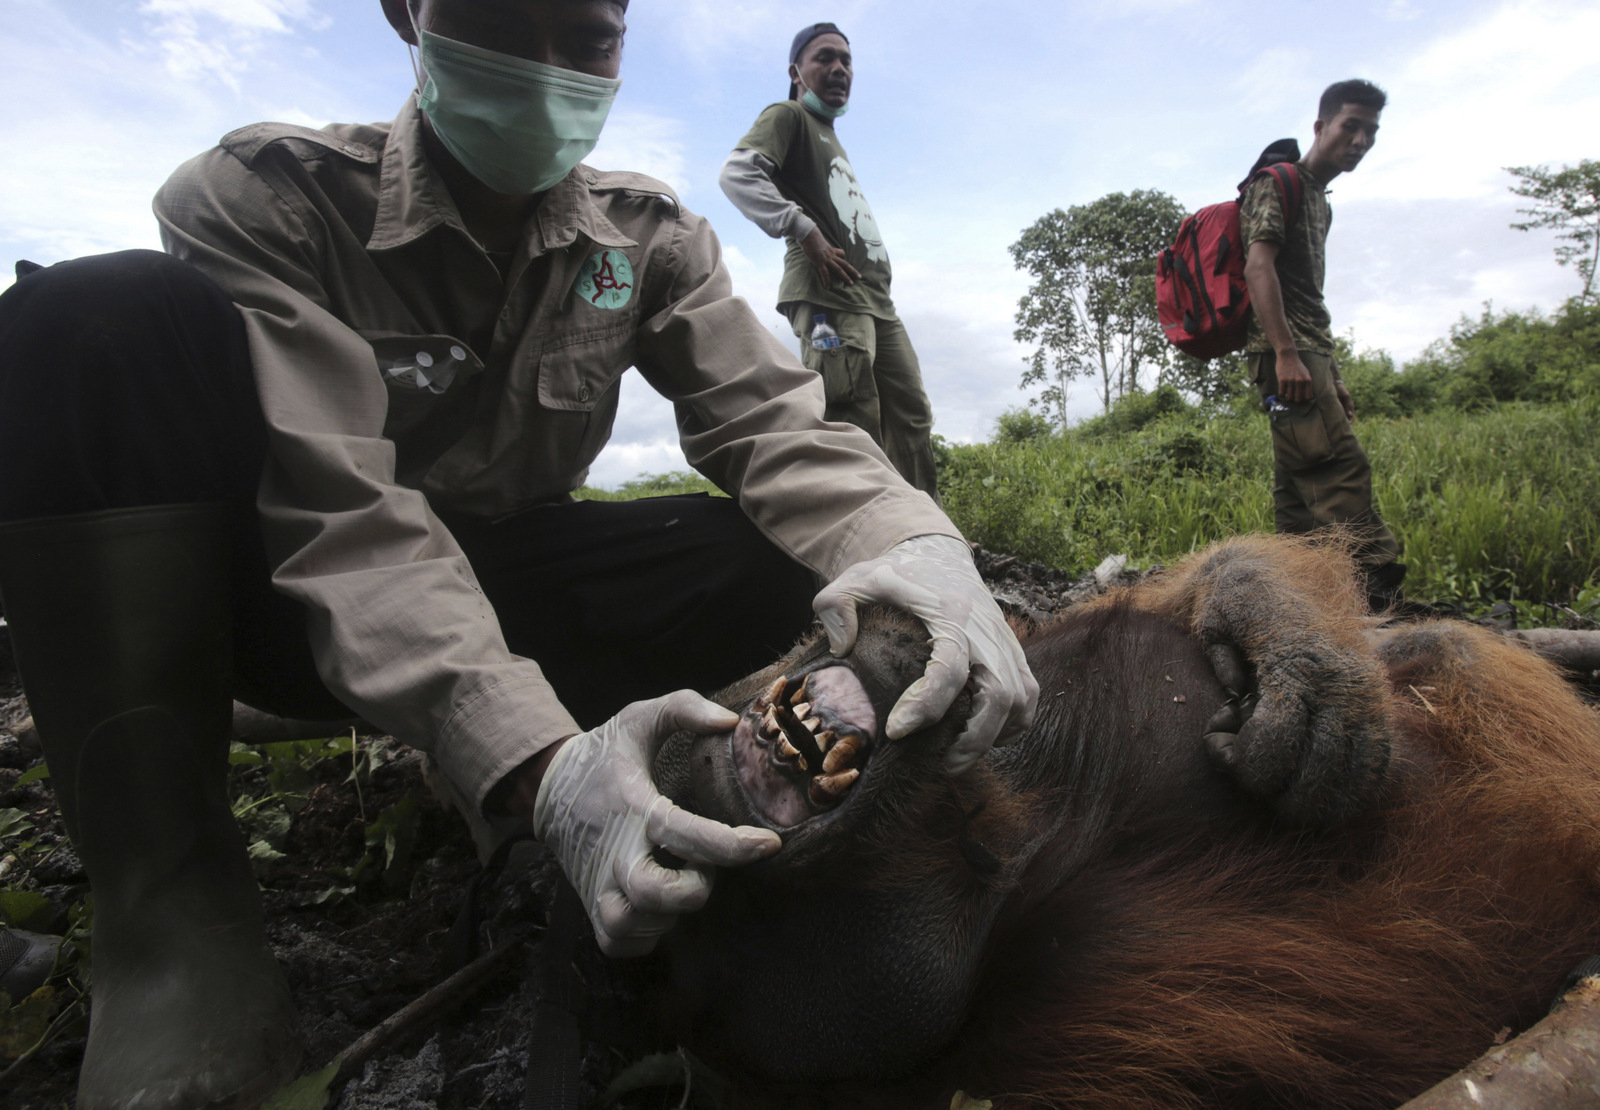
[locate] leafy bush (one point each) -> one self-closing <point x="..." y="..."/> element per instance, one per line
<point x="1135" y="410"/>
<point x="1021" y="425"/>
<point x="651" y="485"/>
<point x="1513" y="356"/>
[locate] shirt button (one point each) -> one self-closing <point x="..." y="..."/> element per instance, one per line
<point x="458" y="353"/>
<point x="583" y="393"/>
<point x="348" y="149"/>
<point x="424" y="358"/>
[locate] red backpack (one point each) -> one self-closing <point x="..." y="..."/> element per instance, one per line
<point x="1201" y="296"/>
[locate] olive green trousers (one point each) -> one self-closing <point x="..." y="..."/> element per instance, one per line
<point x="874" y="382"/>
<point x="1321" y="476"/>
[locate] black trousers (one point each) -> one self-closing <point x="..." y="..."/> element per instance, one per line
<point x="125" y="381"/>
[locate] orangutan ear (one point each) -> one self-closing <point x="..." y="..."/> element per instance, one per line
<point x="400" y="19"/>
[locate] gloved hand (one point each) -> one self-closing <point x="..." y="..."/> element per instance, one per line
<point x="600" y="813"/>
<point x="932" y="578"/>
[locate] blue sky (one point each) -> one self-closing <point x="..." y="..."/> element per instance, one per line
<point x="968" y="122"/>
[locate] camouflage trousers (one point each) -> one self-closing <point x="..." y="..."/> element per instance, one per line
<point x="874" y="382"/>
<point x="1321" y="476"/>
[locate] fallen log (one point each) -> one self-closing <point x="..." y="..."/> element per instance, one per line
<point x="1553" y="1066"/>
<point x="1575" y="651"/>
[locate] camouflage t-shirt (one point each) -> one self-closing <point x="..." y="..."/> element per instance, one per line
<point x="815" y="173"/>
<point x="1302" y="258"/>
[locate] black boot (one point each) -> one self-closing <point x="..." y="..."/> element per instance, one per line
<point x="120" y="623"/>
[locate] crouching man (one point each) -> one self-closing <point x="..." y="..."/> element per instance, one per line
<point x="320" y="456"/>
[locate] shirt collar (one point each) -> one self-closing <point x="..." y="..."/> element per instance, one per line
<point x="568" y="210"/>
<point x="413" y="198"/>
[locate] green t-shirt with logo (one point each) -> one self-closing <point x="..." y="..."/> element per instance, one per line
<point x="815" y="173"/>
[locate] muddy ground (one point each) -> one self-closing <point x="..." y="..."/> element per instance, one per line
<point x="360" y="935"/>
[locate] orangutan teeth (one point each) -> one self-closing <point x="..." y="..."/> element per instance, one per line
<point x="772" y="693"/>
<point x="828" y="788"/>
<point x="800" y="693"/>
<point x="841" y="754"/>
<point x="825" y="740"/>
<point x="802" y="709"/>
<point x="787" y="750"/>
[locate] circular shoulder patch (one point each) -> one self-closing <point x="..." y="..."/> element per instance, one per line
<point x="606" y="279"/>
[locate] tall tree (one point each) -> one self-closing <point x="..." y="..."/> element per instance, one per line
<point x="1568" y="200"/>
<point x="1091" y="309"/>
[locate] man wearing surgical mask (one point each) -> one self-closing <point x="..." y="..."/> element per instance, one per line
<point x="790" y="176"/>
<point x="320" y="456"/>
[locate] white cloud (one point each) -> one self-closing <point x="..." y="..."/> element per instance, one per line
<point x="644" y="142"/>
<point x="1521" y="85"/>
<point x="1278" y="75"/>
<point x="215" y="39"/>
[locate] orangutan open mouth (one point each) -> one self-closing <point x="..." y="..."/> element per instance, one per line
<point x="803" y="743"/>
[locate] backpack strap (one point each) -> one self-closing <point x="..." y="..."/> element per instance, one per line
<point x="1291" y="191"/>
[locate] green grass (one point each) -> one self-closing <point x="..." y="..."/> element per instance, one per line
<point x="1499" y="504"/>
<point x="651" y="485"/>
<point x="1496" y="505"/>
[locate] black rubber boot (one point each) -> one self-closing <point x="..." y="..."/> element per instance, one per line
<point x="120" y="624"/>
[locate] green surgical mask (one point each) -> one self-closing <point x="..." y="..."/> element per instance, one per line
<point x="516" y="125"/>
<point x="821" y="107"/>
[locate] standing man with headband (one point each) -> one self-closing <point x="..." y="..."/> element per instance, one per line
<point x="791" y="177"/>
<point x="320" y="456"/>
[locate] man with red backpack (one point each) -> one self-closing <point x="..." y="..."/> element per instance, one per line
<point x="1321" y="474"/>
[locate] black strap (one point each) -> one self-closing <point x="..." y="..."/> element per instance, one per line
<point x="555" y="1046"/>
<point x="461" y="942"/>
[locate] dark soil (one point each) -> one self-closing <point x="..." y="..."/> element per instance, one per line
<point x="355" y="951"/>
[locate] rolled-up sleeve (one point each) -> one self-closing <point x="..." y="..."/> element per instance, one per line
<point x="399" y="627"/>
<point x="748" y="180"/>
<point x="750" y="418"/>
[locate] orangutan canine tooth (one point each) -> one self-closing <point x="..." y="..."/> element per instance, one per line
<point x="828" y="788"/>
<point x="800" y="692"/>
<point x="772" y="693"/>
<point x="843" y="752"/>
<point x="769" y="723"/>
<point x="800" y="737"/>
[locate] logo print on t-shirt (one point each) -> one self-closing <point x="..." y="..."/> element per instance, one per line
<point x="851" y="204"/>
<point x="606" y="279"/>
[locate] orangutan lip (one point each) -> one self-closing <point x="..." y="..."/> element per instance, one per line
<point x="803" y="744"/>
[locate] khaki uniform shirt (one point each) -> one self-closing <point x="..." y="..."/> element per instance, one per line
<point x="1302" y="258"/>
<point x="399" y="372"/>
<point x="815" y="173"/>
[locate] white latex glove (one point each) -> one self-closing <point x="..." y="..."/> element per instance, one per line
<point x="600" y="813"/>
<point x="932" y="577"/>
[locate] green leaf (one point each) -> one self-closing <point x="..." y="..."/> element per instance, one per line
<point x="22" y="1026"/>
<point x="34" y="774"/>
<point x="262" y="852"/>
<point x="13" y="821"/>
<point x="396" y="829"/>
<point x="664" y="1069"/>
<point x="309" y="1092"/>
<point x="26" y="909"/>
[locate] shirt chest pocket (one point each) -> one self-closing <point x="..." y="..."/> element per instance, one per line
<point x="576" y="371"/>
<point x="423" y="375"/>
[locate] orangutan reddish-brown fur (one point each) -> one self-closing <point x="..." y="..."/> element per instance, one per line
<point x="1113" y="916"/>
